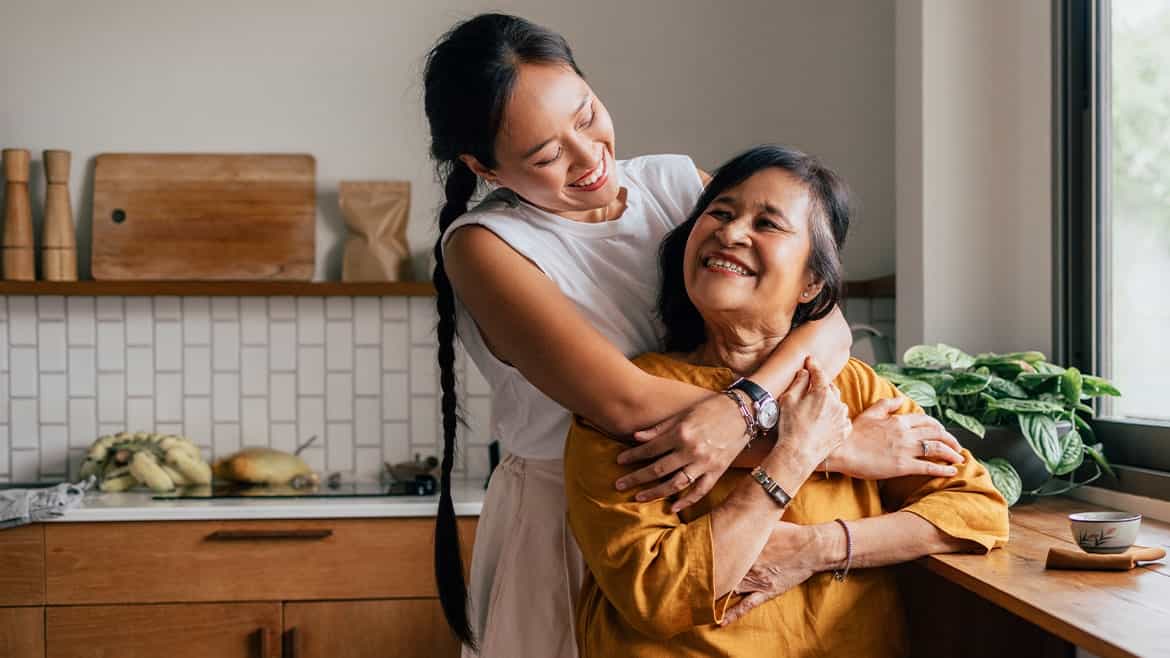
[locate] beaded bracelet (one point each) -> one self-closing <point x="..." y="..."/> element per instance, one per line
<point x="839" y="574"/>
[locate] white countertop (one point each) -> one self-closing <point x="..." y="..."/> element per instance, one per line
<point x="139" y="506"/>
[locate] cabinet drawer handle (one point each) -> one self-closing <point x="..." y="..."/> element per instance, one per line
<point x="241" y="535"/>
<point x="292" y="642"/>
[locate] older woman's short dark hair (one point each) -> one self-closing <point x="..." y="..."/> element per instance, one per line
<point x="830" y="222"/>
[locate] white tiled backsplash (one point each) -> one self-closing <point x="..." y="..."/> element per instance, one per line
<point x="359" y="373"/>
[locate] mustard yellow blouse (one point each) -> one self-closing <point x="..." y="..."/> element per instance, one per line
<point x="649" y="591"/>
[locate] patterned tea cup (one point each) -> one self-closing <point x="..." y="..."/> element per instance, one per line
<point x="1105" y="532"/>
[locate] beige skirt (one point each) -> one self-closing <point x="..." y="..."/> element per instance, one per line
<point x="526" y="570"/>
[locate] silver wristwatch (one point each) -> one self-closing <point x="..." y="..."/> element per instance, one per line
<point x="763" y="404"/>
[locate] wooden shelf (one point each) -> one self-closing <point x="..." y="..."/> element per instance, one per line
<point x="219" y="288"/>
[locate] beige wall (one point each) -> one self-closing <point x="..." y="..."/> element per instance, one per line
<point x="974" y="173"/>
<point x="341" y="80"/>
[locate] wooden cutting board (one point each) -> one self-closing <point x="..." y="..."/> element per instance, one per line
<point x="199" y="217"/>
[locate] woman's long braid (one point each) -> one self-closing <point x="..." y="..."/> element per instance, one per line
<point x="469" y="77"/>
<point x="459" y="188"/>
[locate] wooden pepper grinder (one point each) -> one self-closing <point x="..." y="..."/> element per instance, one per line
<point x="18" y="232"/>
<point x="58" y="243"/>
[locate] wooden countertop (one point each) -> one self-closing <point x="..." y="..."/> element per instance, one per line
<point x="1123" y="614"/>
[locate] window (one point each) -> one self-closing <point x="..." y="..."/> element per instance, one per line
<point x="1113" y="221"/>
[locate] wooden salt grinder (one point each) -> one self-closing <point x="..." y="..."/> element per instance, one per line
<point x="18" y="232"/>
<point x="58" y="243"/>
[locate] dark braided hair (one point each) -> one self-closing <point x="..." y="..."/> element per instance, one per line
<point x="829" y="222"/>
<point x="468" y="80"/>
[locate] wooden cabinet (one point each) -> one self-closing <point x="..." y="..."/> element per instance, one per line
<point x="191" y="630"/>
<point x="22" y="632"/>
<point x="22" y="565"/>
<point x="294" y="588"/>
<point x="407" y="628"/>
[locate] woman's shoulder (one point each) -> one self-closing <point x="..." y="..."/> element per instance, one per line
<point x="672" y="179"/>
<point x="658" y="162"/>
<point x="502" y="213"/>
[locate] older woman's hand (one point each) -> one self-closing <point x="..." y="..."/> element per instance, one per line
<point x="813" y="420"/>
<point x="885" y="445"/>
<point x="789" y="558"/>
<point x="697" y="446"/>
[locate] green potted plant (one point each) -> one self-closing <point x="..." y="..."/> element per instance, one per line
<point x="1023" y="417"/>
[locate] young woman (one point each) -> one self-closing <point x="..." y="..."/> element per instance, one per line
<point x="551" y="284"/>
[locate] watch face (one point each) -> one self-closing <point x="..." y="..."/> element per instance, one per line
<point x="768" y="414"/>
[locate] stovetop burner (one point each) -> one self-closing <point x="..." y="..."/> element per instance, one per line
<point x="423" y="485"/>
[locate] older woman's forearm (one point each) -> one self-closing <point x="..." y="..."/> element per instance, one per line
<point x="884" y="540"/>
<point x="742" y="525"/>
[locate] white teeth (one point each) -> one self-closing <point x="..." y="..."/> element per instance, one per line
<point x="597" y="174"/>
<point x="727" y="265"/>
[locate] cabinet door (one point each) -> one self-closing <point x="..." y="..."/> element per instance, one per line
<point x="22" y="565"/>
<point x="236" y="630"/>
<point x="403" y="628"/>
<point x="22" y="632"/>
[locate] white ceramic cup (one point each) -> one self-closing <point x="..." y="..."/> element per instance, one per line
<point x="1105" y="532"/>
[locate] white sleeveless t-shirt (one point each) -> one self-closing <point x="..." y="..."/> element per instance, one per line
<point x="609" y="270"/>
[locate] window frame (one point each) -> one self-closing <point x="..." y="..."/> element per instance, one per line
<point x="1139" y="450"/>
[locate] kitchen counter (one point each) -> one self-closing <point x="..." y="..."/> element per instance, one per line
<point x="139" y="506"/>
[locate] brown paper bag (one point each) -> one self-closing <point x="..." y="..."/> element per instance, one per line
<point x="376" y="214"/>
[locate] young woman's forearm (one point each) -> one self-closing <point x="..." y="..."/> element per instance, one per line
<point x="828" y="341"/>
<point x="883" y="540"/>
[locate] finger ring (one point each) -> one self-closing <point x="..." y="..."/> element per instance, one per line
<point x="690" y="480"/>
<point x="925" y="448"/>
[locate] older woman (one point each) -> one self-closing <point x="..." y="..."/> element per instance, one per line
<point x="788" y="552"/>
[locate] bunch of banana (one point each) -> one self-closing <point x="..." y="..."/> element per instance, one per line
<point x="159" y="461"/>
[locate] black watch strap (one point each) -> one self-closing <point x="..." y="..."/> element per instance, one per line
<point x="757" y="393"/>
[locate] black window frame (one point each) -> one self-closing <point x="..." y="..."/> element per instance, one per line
<point x="1140" y="451"/>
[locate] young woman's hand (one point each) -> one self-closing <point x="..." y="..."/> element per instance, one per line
<point x="885" y="445"/>
<point x="788" y="559"/>
<point x="693" y="449"/>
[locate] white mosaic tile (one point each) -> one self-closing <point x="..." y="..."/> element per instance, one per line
<point x="311" y="370"/>
<point x="139" y="321"/>
<point x="83" y="429"/>
<point x="339" y="396"/>
<point x="82" y="328"/>
<point x="51" y="347"/>
<point x="51" y="307"/>
<point x="254" y="426"/>
<point x="339" y="447"/>
<point x="54" y="398"/>
<point x="310" y="320"/>
<point x="111" y="346"/>
<point x="225" y="396"/>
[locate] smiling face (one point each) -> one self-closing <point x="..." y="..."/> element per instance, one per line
<point x="555" y="147"/>
<point x="746" y="260"/>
